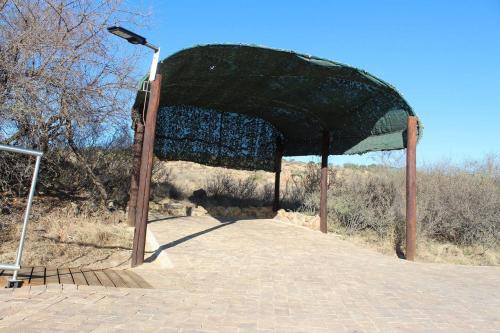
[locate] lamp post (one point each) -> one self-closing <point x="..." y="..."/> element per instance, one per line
<point x="143" y="149"/>
<point x="139" y="124"/>
<point x="134" y="38"/>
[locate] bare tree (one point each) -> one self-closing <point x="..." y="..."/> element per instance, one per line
<point x="64" y="82"/>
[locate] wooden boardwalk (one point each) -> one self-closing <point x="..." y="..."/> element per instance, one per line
<point x="79" y="276"/>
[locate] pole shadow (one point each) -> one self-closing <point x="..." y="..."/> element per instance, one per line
<point x="164" y="247"/>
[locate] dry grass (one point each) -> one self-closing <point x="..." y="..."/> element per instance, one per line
<point x="429" y="250"/>
<point x="458" y="211"/>
<point x="458" y="207"/>
<point x="182" y="178"/>
<point x="59" y="238"/>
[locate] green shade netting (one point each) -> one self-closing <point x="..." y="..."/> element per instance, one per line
<point x="231" y="105"/>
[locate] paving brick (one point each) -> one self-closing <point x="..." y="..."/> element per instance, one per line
<point x="265" y="276"/>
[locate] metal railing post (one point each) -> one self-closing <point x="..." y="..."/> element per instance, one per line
<point x="26" y="217"/>
<point x="14" y="283"/>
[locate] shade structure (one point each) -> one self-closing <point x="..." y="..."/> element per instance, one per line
<point x="245" y="107"/>
<point x="233" y="105"/>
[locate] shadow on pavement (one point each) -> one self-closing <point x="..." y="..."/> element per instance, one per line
<point x="155" y="255"/>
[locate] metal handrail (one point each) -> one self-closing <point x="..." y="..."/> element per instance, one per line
<point x="21" y="150"/>
<point x="17" y="265"/>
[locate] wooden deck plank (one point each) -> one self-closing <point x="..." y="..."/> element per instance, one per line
<point x="37" y="276"/>
<point x="91" y="278"/>
<point x="65" y="276"/>
<point x="78" y="277"/>
<point x="117" y="280"/>
<point x="24" y="274"/>
<point x="105" y="279"/>
<point x="51" y="276"/>
<point x="127" y="279"/>
<point x="139" y="280"/>
<point x="3" y="279"/>
<point x="109" y="278"/>
<point x="8" y="273"/>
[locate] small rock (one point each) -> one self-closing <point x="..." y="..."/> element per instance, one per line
<point x="154" y="206"/>
<point x="281" y="213"/>
<point x="175" y="209"/>
<point x="111" y="206"/>
<point x="164" y="201"/>
<point x="265" y="212"/>
<point x="311" y="222"/>
<point x="198" y="211"/>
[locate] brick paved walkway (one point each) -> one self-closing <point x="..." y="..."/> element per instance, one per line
<point x="265" y="276"/>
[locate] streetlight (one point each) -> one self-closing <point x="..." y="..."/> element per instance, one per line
<point x="134" y="38"/>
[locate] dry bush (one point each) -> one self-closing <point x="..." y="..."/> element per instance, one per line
<point x="221" y="185"/>
<point x="247" y="188"/>
<point x="459" y="205"/>
<point x="64" y="176"/>
<point x="16" y="171"/>
<point x="363" y="203"/>
<point x="225" y="189"/>
<point x="267" y="193"/>
<point x="65" y="88"/>
<point x="299" y="187"/>
<point x="161" y="182"/>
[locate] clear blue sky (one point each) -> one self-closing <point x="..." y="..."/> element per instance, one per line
<point x="443" y="56"/>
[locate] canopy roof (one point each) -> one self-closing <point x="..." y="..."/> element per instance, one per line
<point x="233" y="105"/>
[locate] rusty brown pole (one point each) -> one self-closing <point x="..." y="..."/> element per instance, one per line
<point x="324" y="182"/>
<point x="141" y="216"/>
<point x="411" y="189"/>
<point x="277" y="170"/>
<point x="136" y="168"/>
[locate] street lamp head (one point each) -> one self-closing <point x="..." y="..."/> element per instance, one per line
<point x="130" y="36"/>
<point x="134" y="38"/>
